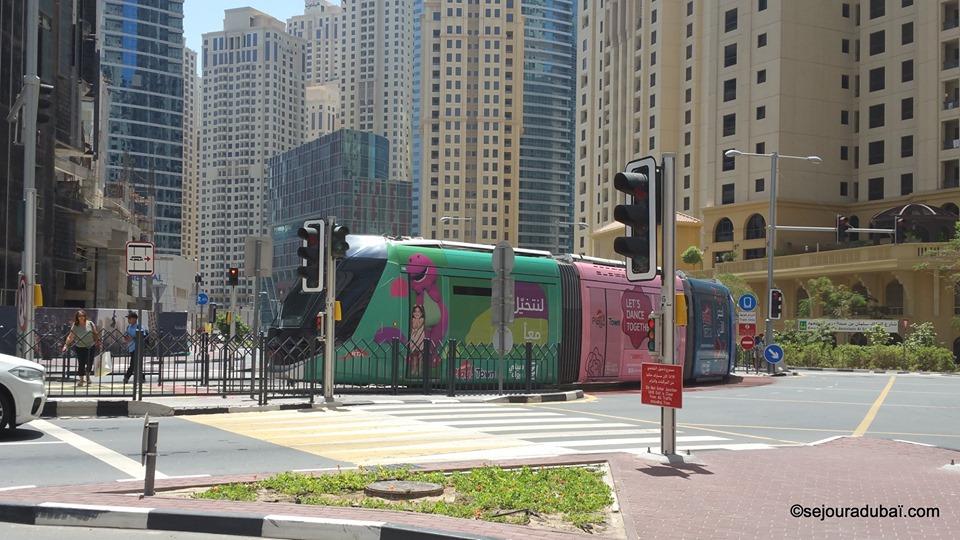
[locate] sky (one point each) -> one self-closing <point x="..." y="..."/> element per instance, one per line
<point x="200" y="16"/>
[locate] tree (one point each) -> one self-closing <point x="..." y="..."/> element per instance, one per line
<point x="224" y="326"/>
<point x="835" y="301"/>
<point x="692" y="255"/>
<point x="946" y="259"/>
<point x="738" y="287"/>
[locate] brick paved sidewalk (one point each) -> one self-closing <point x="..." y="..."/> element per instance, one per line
<point x="745" y="494"/>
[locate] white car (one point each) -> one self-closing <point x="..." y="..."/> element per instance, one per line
<point x="22" y="393"/>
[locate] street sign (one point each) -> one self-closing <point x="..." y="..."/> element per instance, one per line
<point x="502" y="303"/>
<point x="140" y="258"/>
<point x="202" y="299"/>
<point x="661" y="385"/>
<point x="22" y="308"/>
<point x="266" y="256"/>
<point x="773" y="353"/>
<point x="747" y="317"/>
<point x="848" y="326"/>
<point x="746" y="329"/>
<point x="747" y="302"/>
<point x="507" y="343"/>
<point x="747" y="343"/>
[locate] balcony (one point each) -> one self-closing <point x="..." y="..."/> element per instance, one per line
<point x="951" y="94"/>
<point x="951" y="174"/>
<point x="951" y="54"/>
<point x="951" y="134"/>
<point x="951" y="15"/>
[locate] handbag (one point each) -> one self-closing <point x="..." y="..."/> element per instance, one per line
<point x="103" y="364"/>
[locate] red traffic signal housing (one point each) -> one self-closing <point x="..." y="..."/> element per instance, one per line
<point x="652" y="334"/>
<point x="233" y="277"/>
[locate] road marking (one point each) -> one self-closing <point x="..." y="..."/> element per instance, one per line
<point x="559" y="420"/>
<point x="740" y="426"/>
<point x="114" y="459"/>
<point x="914" y="434"/>
<point x="874" y="409"/>
<point x="30" y="442"/>
<point x="584" y="433"/>
<point x="431" y="406"/>
<point x="525" y="414"/>
<point x="180" y="477"/>
<point x="13" y="488"/>
<point x="915" y="442"/>
<point x="524" y="429"/>
<point x="634" y="440"/>
<point x="824" y="441"/>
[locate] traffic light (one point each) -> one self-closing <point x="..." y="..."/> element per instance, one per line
<point x="311" y="256"/>
<point x="843" y="225"/>
<point x="652" y="333"/>
<point x="45" y="104"/>
<point x="639" y="246"/>
<point x="776" y="303"/>
<point x="233" y="277"/>
<point x="338" y="241"/>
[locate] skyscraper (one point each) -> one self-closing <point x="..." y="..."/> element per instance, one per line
<point x="191" y="155"/>
<point x="546" y="147"/>
<point x="253" y="109"/>
<point x="471" y="113"/>
<point x="377" y="80"/>
<point x="321" y="26"/>
<point x="142" y="63"/>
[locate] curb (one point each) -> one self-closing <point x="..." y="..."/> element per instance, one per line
<point x="120" y="408"/>
<point x="256" y="525"/>
<point x="882" y="371"/>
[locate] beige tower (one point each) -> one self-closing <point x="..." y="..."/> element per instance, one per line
<point x="191" y="155"/>
<point x="321" y="26"/>
<point x="471" y="117"/>
<point x="322" y="110"/>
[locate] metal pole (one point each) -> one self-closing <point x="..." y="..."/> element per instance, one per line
<point x="256" y="313"/>
<point x="668" y="416"/>
<point x="138" y="347"/>
<point x="330" y="349"/>
<point x="151" y="457"/>
<point x="233" y="311"/>
<point x="771" y="244"/>
<point x="31" y="98"/>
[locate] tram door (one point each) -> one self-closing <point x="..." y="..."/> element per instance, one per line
<point x="606" y="337"/>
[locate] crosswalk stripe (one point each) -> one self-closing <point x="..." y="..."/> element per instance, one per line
<point x="635" y="440"/>
<point x="584" y="433"/>
<point x="370" y="435"/>
<point x="521" y="421"/>
<point x="458" y="411"/>
<point x="430" y="406"/>
<point x="484" y="415"/>
<point x="524" y="429"/>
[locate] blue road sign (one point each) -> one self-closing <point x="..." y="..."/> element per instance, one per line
<point x="773" y="353"/>
<point x="202" y="299"/>
<point x="747" y="302"/>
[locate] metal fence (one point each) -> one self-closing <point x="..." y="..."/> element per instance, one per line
<point x="186" y="364"/>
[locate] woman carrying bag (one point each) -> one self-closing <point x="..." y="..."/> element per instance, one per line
<point x="83" y="335"/>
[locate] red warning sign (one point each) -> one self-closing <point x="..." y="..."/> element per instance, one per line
<point x="661" y="385"/>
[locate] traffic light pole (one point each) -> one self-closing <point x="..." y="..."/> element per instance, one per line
<point x="668" y="415"/>
<point x="329" y="338"/>
<point x="31" y="98"/>
<point x="233" y="310"/>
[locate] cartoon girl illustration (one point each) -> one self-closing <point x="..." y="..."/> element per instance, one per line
<point x="417" y="319"/>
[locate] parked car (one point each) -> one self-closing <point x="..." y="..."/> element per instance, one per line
<point x="22" y="392"/>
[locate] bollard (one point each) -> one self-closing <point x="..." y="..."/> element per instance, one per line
<point x="148" y="454"/>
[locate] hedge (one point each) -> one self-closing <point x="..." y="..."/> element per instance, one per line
<point x="871" y="357"/>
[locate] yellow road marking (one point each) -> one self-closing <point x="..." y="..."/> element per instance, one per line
<point x="874" y="409"/>
<point x="678" y="425"/>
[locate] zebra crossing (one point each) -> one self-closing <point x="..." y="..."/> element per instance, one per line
<point x="430" y="432"/>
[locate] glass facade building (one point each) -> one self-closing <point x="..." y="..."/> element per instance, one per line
<point x="141" y="60"/>
<point x="343" y="174"/>
<point x="547" y="144"/>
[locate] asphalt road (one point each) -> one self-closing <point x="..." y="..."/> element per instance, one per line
<point x="793" y="410"/>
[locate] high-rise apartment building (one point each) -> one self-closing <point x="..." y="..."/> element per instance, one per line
<point x="321" y="26"/>
<point x="377" y="80"/>
<point x="190" y="239"/>
<point x="322" y="110"/>
<point x="547" y="143"/>
<point x="253" y="109"/>
<point x="142" y="63"/>
<point x="471" y="113"/>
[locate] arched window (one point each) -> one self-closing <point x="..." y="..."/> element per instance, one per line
<point x="894" y="298"/>
<point x="723" y="232"/>
<point x="854" y="223"/>
<point x="951" y="208"/>
<point x="756" y="227"/>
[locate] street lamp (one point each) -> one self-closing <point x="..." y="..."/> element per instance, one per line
<point x="771" y="224"/>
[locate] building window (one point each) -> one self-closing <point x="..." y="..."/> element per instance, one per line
<point x="729" y="124"/>
<point x="761" y="5"/>
<point x="723" y="232"/>
<point x="758" y="185"/>
<point x="844" y="118"/>
<point x="844" y="153"/>
<point x="762" y="40"/>
<point x="876" y="116"/>
<point x="754" y="253"/>
<point x="845" y="10"/>
<point x="730" y="20"/>
<point x="729" y="90"/>
<point x="843" y="189"/>
<point x="877" y="42"/>
<point x="761" y="112"/>
<point x="906" y="3"/>
<point x="761" y="76"/>
<point x="729" y="163"/>
<point x="877" y="8"/>
<point x="756" y="228"/>
<point x="875" y="156"/>
<point x="761" y="148"/>
<point x="906" y="33"/>
<point x="686" y="181"/>
<point x="906" y="146"/>
<point x="686" y="203"/>
<point x="906" y="71"/>
<point x="875" y="189"/>
<point x="726" y="196"/>
<point x="845" y="46"/>
<point x="686" y="160"/>
<point x="689" y="8"/>
<point x="730" y="55"/>
<point x="877" y="79"/>
<point x="906" y="108"/>
<point x="906" y="184"/>
<point x="845" y="81"/>
<point x="686" y="138"/>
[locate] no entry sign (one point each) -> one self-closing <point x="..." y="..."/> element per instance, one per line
<point x="661" y="385"/>
<point x="747" y="343"/>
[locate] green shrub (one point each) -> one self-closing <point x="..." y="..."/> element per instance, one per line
<point x="887" y="357"/>
<point x="931" y="359"/>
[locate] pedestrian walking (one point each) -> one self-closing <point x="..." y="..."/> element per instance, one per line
<point x="758" y="352"/>
<point x="136" y="355"/>
<point x="83" y="336"/>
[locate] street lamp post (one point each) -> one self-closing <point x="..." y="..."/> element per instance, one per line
<point x="775" y="158"/>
